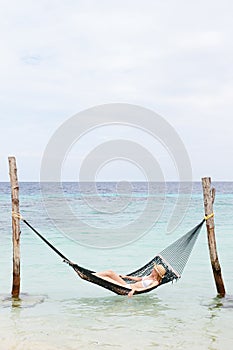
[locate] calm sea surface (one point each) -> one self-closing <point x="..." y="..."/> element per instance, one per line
<point x="113" y="228"/>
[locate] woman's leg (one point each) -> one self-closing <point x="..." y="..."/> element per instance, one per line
<point x="111" y="274"/>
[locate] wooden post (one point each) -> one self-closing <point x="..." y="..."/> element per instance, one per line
<point x="15" y="227"/>
<point x="209" y="196"/>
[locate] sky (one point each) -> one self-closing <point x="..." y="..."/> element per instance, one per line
<point x="59" y="58"/>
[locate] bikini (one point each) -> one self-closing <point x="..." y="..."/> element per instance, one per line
<point x="146" y="282"/>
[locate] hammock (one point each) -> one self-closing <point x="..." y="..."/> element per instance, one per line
<point x="173" y="258"/>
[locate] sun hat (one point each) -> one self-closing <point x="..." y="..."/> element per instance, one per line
<point x="160" y="270"/>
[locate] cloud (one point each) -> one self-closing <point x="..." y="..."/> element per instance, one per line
<point x="60" y="57"/>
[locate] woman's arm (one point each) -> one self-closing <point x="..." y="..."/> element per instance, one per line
<point x="132" y="278"/>
<point x="135" y="289"/>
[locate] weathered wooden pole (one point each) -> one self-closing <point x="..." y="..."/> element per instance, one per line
<point x="209" y="196"/>
<point x="15" y="227"/>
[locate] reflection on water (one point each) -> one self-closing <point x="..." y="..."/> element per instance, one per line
<point x="217" y="320"/>
<point x="146" y="321"/>
<point x="24" y="301"/>
<point x="149" y="305"/>
<point x="221" y="303"/>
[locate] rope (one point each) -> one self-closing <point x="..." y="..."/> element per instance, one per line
<point x="208" y="216"/>
<point x="17" y="215"/>
<point x="65" y="259"/>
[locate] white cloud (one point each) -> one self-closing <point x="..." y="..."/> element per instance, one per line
<point x="60" y="57"/>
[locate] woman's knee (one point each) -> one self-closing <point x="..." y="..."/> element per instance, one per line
<point x="110" y="273"/>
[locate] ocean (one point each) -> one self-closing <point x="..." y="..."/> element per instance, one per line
<point x="118" y="227"/>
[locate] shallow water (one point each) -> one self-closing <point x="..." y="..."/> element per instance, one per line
<point x="57" y="310"/>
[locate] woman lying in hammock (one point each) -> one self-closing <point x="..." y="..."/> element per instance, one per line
<point x="139" y="283"/>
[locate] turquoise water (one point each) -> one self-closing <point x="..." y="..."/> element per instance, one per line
<point x="57" y="310"/>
